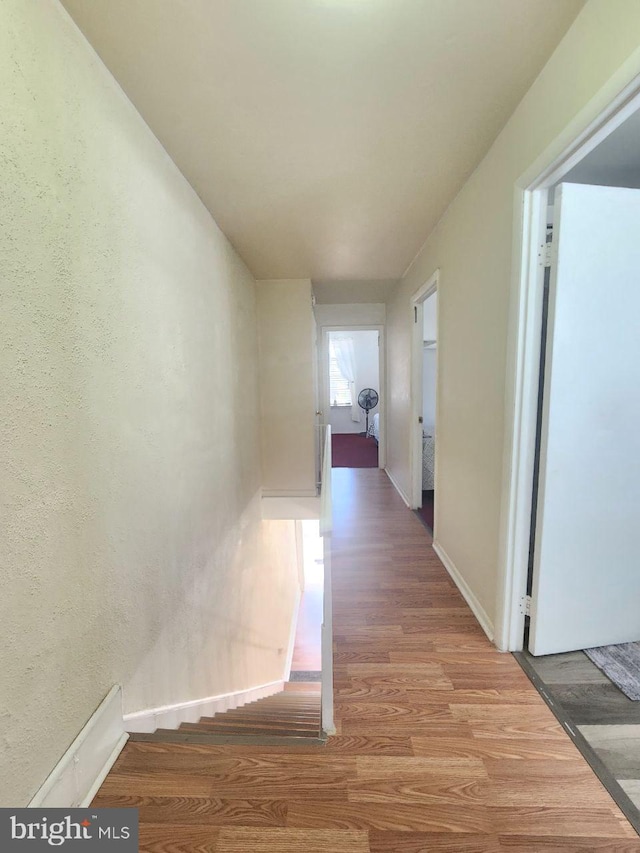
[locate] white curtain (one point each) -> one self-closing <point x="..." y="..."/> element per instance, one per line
<point x="346" y="358"/>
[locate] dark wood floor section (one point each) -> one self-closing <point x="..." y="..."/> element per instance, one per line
<point x="443" y="743"/>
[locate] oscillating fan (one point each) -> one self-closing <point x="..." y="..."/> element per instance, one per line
<point x="367" y="400"/>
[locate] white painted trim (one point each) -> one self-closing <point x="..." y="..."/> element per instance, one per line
<point x="326" y="503"/>
<point x="612" y="105"/>
<point x="292" y="635"/>
<point x="170" y="716"/>
<point x="417" y="334"/>
<point x="326" y="640"/>
<point x="520" y="453"/>
<point x="397" y="487"/>
<point x="428" y="288"/>
<point x="291" y="508"/>
<point x="77" y="776"/>
<point x="467" y="593"/>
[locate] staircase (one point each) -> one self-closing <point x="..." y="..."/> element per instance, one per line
<point x="291" y="717"/>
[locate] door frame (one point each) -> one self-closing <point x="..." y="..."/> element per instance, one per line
<point x="418" y="299"/>
<point x="608" y="110"/>
<point x="324" y="377"/>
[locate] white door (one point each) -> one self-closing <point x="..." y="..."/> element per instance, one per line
<point x="586" y="581"/>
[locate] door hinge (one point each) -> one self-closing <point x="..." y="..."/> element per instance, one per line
<point x="525" y="605"/>
<point x="544" y="255"/>
<point x="415" y="313"/>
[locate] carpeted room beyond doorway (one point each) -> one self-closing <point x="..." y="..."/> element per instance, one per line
<point x="352" y="450"/>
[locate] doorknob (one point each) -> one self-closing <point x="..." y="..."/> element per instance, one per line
<point x="318" y="413"/>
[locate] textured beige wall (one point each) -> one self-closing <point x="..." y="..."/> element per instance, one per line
<point x="287" y="386"/>
<point x="473" y="247"/>
<point x="132" y="545"/>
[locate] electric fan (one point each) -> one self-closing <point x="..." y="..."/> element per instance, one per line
<point x="367" y="400"/>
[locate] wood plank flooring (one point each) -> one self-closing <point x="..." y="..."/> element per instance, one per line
<point x="443" y="743"/>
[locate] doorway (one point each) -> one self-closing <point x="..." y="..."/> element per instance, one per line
<point x="585" y="491"/>
<point x="353" y="383"/>
<point x="424" y="394"/>
<point x="613" y="138"/>
<point x="579" y="471"/>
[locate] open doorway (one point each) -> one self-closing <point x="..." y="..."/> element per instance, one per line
<point x="586" y="472"/>
<point x="579" y="614"/>
<point x="424" y="400"/>
<point x="352" y="372"/>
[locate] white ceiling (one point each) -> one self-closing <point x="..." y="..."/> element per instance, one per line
<point x="326" y="137"/>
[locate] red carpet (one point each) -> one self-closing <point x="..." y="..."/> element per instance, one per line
<point x="350" y="450"/>
<point x="426" y="511"/>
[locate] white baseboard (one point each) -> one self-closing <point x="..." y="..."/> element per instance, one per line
<point x="397" y="488"/>
<point x="75" y="779"/>
<point x="478" y="610"/>
<point x="292" y="635"/>
<point x="170" y="716"/>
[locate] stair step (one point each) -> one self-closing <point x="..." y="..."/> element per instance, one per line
<point x="275" y="708"/>
<point x="290" y="699"/>
<point x="283" y="703"/>
<point x="202" y="738"/>
<point x="242" y="731"/>
<point x="272" y="720"/>
<point x="274" y="725"/>
<point x="258" y="721"/>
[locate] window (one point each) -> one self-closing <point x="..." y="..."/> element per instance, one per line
<point x="339" y="391"/>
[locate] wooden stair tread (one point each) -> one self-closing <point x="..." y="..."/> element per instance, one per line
<point x="271" y="712"/>
<point x="217" y="739"/>
<point x="194" y="727"/>
<point x="237" y="724"/>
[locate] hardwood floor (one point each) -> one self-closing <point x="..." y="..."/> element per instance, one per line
<point x="443" y="743"/>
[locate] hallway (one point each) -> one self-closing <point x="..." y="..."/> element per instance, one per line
<point x="443" y="744"/>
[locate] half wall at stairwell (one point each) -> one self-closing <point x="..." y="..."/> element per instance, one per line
<point x="133" y="546"/>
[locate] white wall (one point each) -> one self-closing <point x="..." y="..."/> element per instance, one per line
<point x="132" y="545"/>
<point x="365" y="346"/>
<point x="473" y="245"/>
<point x="287" y="386"/>
<point x="351" y="314"/>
